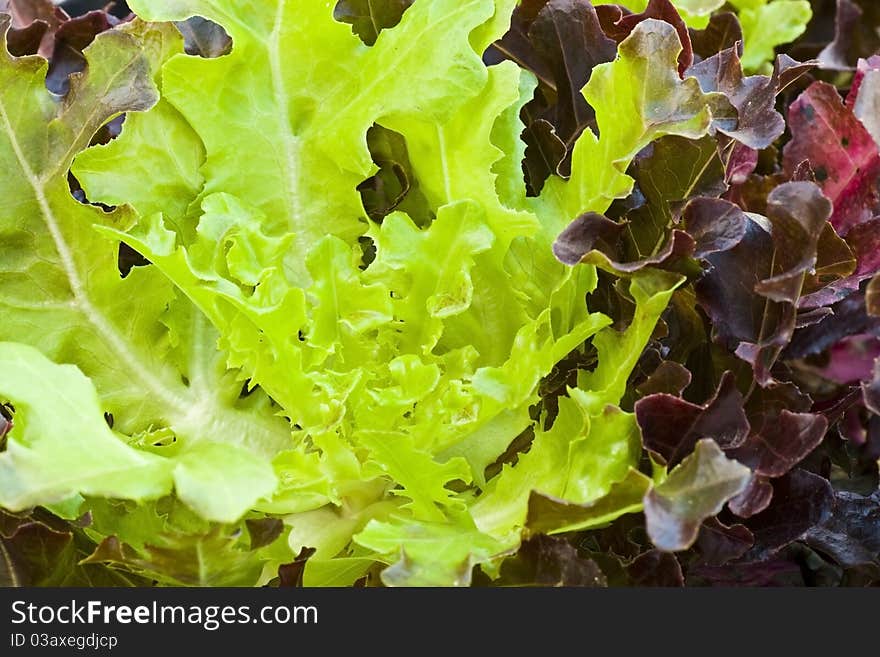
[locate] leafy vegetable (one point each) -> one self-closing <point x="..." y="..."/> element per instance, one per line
<point x="443" y="293"/>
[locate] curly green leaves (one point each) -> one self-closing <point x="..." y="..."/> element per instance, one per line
<point x="151" y="360"/>
<point x="408" y="357"/>
<point x="767" y="24"/>
<point x="297" y="94"/>
<point x="164" y="174"/>
<point x="60" y="444"/>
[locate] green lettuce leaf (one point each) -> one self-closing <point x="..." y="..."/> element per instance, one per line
<point x="152" y="360"/>
<point x="54" y="402"/>
<point x="767" y="24"/>
<point x="390" y="364"/>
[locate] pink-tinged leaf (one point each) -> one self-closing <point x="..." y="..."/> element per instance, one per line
<point x="841" y="152"/>
<point x="852" y="359"/>
<point x="740" y="165"/>
<point x="855" y="89"/>
<point x="852" y="428"/>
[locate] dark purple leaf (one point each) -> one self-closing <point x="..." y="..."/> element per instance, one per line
<point x="764" y="404"/>
<point x="560" y="41"/>
<point x="851" y="535"/>
<point x="264" y="531"/>
<point x="801" y="500"/>
<point x="33" y="554"/>
<point x="668" y="378"/>
<point x="722" y="32"/>
<point x="755" y="123"/>
<point x="369" y="17"/>
<point x="726" y="293"/>
<point x="671" y="426"/>
<point x="41" y="28"/>
<point x="204" y="38"/>
<point x="778" y="446"/>
<point x="668" y="173"/>
<point x="27" y="12"/>
<point x="549" y="561"/>
<point x="751" y="291"/>
<point x="38" y="549"/>
<point x="545" y="151"/>
<point x="770" y="573"/>
<point x="798" y="213"/>
<point x="26" y="40"/>
<point x="864" y="240"/>
<point x="394" y="186"/>
<point x="589" y="232"/>
<point x="567" y="36"/>
<point x="5" y="427"/>
<point x="715" y="224"/>
<point x="591" y="239"/>
<point x="71" y="38"/>
<point x="787" y="71"/>
<point x="849" y="318"/>
<point x="655" y="568"/>
<point x="516" y="47"/>
<point x="810" y="317"/>
<point x="855" y="35"/>
<point x="291" y="574"/>
<point x="719" y="543"/>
